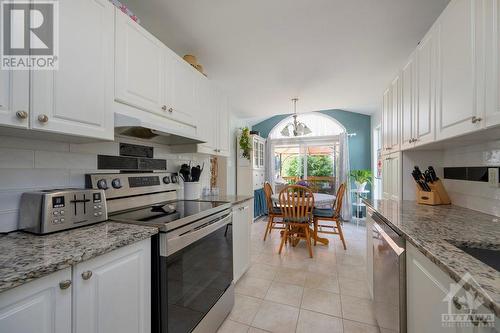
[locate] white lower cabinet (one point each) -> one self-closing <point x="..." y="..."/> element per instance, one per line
<point x="40" y="306"/>
<point x="107" y="294"/>
<point x="242" y="222"/>
<point x="427" y="298"/>
<point x="112" y="292"/>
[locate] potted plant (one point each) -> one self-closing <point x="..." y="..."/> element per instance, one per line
<point x="361" y="178"/>
<point x="245" y="143"/>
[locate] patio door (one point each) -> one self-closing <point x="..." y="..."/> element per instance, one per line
<point x="316" y="163"/>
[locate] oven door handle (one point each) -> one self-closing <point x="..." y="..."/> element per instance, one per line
<point x="395" y="247"/>
<point x="177" y="243"/>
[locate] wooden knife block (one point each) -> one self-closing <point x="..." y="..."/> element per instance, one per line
<point x="437" y="195"/>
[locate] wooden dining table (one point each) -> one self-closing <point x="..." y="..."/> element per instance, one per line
<point x="321" y="201"/>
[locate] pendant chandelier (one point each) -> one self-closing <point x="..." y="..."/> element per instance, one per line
<point x="295" y="128"/>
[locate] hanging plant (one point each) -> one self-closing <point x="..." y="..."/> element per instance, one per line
<point x="245" y="143"/>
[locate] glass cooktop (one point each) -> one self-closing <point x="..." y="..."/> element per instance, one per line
<point x="166" y="212"/>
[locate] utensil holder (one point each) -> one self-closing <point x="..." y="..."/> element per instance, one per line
<point x="437" y="195"/>
<point x="192" y="190"/>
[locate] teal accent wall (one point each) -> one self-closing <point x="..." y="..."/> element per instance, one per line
<point x="359" y="145"/>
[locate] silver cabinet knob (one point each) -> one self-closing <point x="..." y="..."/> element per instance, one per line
<point x="43" y="118"/>
<point x="476" y="119"/>
<point x="65" y="284"/>
<point x="164" y="108"/>
<point x="22" y="114"/>
<point x="87" y="275"/>
<point x="170" y="110"/>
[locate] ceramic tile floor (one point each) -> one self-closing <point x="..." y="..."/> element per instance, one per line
<point x="293" y="293"/>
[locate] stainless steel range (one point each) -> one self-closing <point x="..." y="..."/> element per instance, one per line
<point x="192" y="277"/>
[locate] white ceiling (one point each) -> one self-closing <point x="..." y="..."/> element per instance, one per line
<point x="329" y="53"/>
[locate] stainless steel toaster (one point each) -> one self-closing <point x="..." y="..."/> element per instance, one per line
<point x="43" y="212"/>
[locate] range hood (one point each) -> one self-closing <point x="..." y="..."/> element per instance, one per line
<point x="134" y="127"/>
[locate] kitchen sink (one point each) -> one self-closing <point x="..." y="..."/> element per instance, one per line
<point x="489" y="256"/>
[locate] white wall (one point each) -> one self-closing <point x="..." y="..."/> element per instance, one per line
<point x="376" y="121"/>
<point x="474" y="195"/>
<point x="27" y="164"/>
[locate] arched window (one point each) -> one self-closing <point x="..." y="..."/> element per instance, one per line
<point x="321" y="125"/>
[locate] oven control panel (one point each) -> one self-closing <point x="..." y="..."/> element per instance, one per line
<point x="55" y="210"/>
<point x="117" y="185"/>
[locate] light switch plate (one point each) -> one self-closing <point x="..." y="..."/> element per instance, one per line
<point x="493" y="177"/>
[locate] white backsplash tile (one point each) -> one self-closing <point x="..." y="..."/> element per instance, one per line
<point x="27" y="165"/>
<point x="474" y="195"/>
<point x="16" y="158"/>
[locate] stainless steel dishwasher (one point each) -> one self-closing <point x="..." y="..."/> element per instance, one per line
<point x="389" y="275"/>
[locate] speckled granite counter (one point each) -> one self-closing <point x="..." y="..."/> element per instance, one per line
<point x="233" y="199"/>
<point x="25" y="257"/>
<point x="432" y="228"/>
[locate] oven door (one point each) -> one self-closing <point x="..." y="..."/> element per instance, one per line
<point x="196" y="273"/>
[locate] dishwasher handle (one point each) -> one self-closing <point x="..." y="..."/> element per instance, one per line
<point x="395" y="247"/>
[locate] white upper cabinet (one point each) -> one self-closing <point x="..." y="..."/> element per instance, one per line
<point x="207" y="116"/>
<point x="14" y="99"/>
<point x="407" y="104"/>
<point x="459" y="70"/>
<point x="40" y="306"/>
<point x="139" y="67"/>
<point x="395" y="114"/>
<point x="492" y="64"/>
<point x="77" y="98"/>
<point x="223" y="125"/>
<point x="386" y="121"/>
<point x="182" y="92"/>
<point x="424" y="127"/>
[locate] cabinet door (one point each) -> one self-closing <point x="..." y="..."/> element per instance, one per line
<point x="76" y="99"/>
<point x="407" y="104"/>
<point x="139" y="67"/>
<point x="208" y="116"/>
<point x="242" y="220"/>
<point x="40" y="306"/>
<point x="182" y="92"/>
<point x="395" y="176"/>
<point x="492" y="54"/>
<point x="113" y="291"/>
<point x="223" y="126"/>
<point x="255" y="153"/>
<point x="14" y="97"/>
<point x="262" y="154"/>
<point x="457" y="67"/>
<point x="386" y="121"/>
<point x="394" y="114"/>
<point x="386" y="178"/>
<point x="425" y="102"/>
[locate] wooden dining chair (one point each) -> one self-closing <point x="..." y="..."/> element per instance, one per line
<point x="332" y="214"/>
<point x="275" y="220"/>
<point x="297" y="204"/>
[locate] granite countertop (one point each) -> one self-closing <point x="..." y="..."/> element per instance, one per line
<point x="25" y="257"/>
<point x="233" y="199"/>
<point x="434" y="230"/>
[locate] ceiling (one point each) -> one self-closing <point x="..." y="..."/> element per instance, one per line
<point x="332" y="54"/>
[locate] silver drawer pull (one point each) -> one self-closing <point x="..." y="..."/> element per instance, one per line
<point x="476" y="119"/>
<point x="22" y="114"/>
<point x="86" y="275"/>
<point x="65" y="284"/>
<point x="43" y="118"/>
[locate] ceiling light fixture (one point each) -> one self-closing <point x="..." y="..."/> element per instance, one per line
<point x="295" y="128"/>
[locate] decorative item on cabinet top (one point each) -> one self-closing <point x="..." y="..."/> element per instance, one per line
<point x="191" y="59"/>
<point x="126" y="10"/>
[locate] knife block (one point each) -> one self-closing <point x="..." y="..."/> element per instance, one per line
<point x="437" y="195"/>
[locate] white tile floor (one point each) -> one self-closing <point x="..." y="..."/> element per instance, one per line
<point x="293" y="293"/>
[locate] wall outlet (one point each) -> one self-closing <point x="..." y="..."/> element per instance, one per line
<point x="493" y="177"/>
